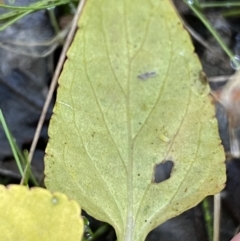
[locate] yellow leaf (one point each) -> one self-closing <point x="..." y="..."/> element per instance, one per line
<point x="130" y="98"/>
<point x="38" y="215"/>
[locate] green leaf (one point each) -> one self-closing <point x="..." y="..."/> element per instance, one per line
<point x="38" y="215"/>
<point x="130" y="98"/>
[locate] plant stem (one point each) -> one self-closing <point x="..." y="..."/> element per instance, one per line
<point x="14" y="20"/>
<point x="208" y="218"/>
<point x="20" y="158"/>
<point x="219" y="4"/>
<point x="53" y="20"/>
<point x="11" y="142"/>
<point x="36" y="6"/>
<point x="100" y="231"/>
<point x="18" y="12"/>
<point x="231" y="13"/>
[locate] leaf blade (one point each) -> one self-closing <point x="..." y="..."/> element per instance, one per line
<point x="131" y="108"/>
<point x="37" y="214"/>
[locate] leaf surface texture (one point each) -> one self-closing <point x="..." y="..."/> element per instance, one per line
<point x="130" y="98"/>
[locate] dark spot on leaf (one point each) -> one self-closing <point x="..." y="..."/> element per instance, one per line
<point x="162" y="171"/>
<point x="147" y="75"/>
<point x="138" y="174"/>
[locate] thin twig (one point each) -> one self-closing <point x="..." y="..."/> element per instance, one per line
<point x="54" y="82"/>
<point x="204" y="43"/>
<point x="217" y="79"/>
<point x="216" y="217"/>
<point x="197" y="36"/>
